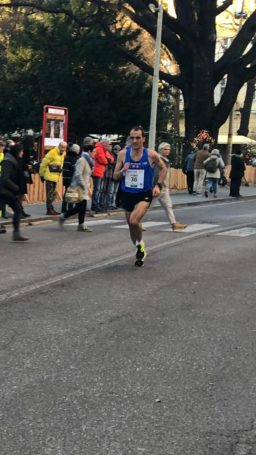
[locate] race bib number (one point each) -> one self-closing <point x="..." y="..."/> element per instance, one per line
<point x="134" y="178"/>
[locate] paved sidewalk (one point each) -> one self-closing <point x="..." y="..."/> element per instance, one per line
<point x="180" y="198"/>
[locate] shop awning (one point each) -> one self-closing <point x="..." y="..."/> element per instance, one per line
<point x="223" y="139"/>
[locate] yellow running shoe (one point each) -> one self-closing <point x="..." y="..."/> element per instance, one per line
<point x="140" y="254"/>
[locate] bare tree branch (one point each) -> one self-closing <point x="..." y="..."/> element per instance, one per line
<point x="148" y="23"/>
<point x="171" y="22"/>
<point x="142" y="65"/>
<point x="223" y="7"/>
<point x="249" y="57"/>
<point x="238" y="46"/>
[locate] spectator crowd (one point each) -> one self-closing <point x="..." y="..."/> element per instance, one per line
<point x="87" y="172"/>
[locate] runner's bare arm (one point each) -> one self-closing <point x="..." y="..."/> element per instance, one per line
<point x="120" y="166"/>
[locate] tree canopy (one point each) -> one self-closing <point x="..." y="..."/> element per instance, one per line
<point x="49" y="59"/>
<point x="190" y="37"/>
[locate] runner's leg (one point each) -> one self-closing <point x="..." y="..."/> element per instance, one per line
<point x="134" y="220"/>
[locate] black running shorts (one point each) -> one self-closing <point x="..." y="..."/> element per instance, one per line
<point x="129" y="200"/>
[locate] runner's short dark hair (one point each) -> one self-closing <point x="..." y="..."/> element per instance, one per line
<point x="138" y="128"/>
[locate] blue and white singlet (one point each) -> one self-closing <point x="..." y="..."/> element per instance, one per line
<point x="139" y="177"/>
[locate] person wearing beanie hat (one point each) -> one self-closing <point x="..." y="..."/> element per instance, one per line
<point x="164" y="198"/>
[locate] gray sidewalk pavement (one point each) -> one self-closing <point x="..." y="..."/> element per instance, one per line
<point x="179" y="197"/>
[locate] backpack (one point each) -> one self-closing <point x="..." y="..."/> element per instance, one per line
<point x="211" y="165"/>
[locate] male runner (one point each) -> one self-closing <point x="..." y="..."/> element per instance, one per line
<point x="135" y="169"/>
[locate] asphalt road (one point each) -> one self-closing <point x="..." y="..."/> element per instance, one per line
<point x="99" y="357"/>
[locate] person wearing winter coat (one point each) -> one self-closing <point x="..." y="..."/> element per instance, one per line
<point x="113" y="185"/>
<point x="88" y="150"/>
<point x="50" y="172"/>
<point x="27" y="167"/>
<point x="188" y="168"/>
<point x="81" y="178"/>
<point x="236" y="173"/>
<point x="110" y="186"/>
<point x="10" y="189"/>
<point x="68" y="171"/>
<point x="101" y="158"/>
<point x="199" y="170"/>
<point x="213" y="177"/>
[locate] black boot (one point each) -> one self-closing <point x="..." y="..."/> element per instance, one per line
<point x="17" y="237"/>
<point x="25" y="215"/>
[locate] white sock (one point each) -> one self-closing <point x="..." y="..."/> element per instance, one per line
<point x="139" y="242"/>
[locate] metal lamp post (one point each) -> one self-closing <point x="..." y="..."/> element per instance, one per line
<point x="154" y="97"/>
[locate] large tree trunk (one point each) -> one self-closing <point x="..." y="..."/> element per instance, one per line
<point x="199" y="105"/>
<point x="246" y="109"/>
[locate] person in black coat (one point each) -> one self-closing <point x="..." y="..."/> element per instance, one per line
<point x="27" y="163"/>
<point x="29" y="159"/>
<point x="10" y="189"/>
<point x="68" y="171"/>
<point x="236" y="173"/>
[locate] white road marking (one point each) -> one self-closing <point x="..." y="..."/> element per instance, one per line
<point x="244" y="232"/>
<point x="94" y="223"/>
<point x="146" y="224"/>
<point x="250" y="216"/>
<point x="205" y="206"/>
<point x="195" y="228"/>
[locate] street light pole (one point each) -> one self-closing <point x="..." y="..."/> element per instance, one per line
<point x="154" y="97"/>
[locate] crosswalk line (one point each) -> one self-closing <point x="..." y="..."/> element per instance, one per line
<point x="146" y="224"/>
<point x="243" y="232"/>
<point x="94" y="222"/>
<point x="196" y="227"/>
<point x="115" y="224"/>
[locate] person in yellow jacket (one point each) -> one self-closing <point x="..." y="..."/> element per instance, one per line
<point x="50" y="172"/>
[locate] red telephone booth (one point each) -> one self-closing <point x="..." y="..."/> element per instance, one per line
<point x="54" y="128"/>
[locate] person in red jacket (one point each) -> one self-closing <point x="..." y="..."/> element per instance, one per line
<point x="101" y="158"/>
